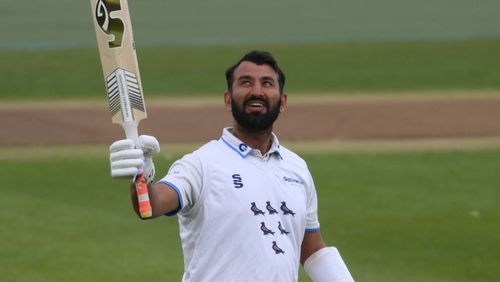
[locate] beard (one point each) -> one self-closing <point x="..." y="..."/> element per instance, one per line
<point x="255" y="121"/>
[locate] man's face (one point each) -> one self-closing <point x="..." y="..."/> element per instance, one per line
<point x="255" y="101"/>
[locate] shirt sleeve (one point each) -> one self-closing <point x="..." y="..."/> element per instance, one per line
<point x="185" y="177"/>
<point x="312" y="222"/>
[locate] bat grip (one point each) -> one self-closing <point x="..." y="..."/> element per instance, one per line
<point x="141" y="186"/>
<point x="130" y="128"/>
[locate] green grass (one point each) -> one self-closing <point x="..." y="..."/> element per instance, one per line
<point x="412" y="216"/>
<point x="67" y="221"/>
<point x="49" y="51"/>
<point x="318" y="68"/>
<point x="47" y="24"/>
<point x="419" y="216"/>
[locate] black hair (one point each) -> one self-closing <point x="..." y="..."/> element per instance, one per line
<point x="258" y="58"/>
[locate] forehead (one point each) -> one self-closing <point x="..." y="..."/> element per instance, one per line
<point x="247" y="68"/>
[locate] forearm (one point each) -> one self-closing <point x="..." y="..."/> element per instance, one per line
<point x="322" y="263"/>
<point x="312" y="243"/>
<point x="163" y="199"/>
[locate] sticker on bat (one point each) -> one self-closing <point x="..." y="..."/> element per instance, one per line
<point x="124" y="93"/>
<point x="111" y="26"/>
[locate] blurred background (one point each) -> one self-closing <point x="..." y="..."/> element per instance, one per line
<point x="325" y="46"/>
<point x="393" y="104"/>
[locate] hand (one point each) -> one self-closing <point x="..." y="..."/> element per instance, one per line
<point x="129" y="160"/>
<point x="150" y="147"/>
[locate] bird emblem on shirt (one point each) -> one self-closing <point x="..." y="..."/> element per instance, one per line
<point x="256" y="210"/>
<point x="282" y="230"/>
<point x="270" y="208"/>
<point x="285" y="209"/>
<point x="277" y="249"/>
<point x="266" y="230"/>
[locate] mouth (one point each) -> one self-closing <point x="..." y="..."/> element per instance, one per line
<point x="255" y="104"/>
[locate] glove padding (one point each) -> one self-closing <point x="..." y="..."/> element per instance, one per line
<point x="129" y="160"/>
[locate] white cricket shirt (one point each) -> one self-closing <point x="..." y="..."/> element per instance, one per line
<point x="243" y="214"/>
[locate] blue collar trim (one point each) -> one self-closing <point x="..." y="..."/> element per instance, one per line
<point x="243" y="149"/>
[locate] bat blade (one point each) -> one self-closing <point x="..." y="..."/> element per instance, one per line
<point x="119" y="62"/>
<point x="121" y="75"/>
<point x="126" y="102"/>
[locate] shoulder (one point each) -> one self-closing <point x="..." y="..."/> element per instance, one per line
<point x="208" y="150"/>
<point x="297" y="168"/>
<point x="203" y="153"/>
<point x="292" y="157"/>
<point x="194" y="164"/>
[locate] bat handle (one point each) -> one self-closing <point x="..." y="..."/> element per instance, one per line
<point x="141" y="186"/>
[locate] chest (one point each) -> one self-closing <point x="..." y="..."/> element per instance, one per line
<point x="261" y="191"/>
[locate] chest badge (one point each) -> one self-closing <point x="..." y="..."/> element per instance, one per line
<point x="237" y="181"/>
<point x="277" y="249"/>
<point x="270" y="209"/>
<point x="285" y="209"/>
<point x="265" y="230"/>
<point x="256" y="210"/>
<point x="282" y="230"/>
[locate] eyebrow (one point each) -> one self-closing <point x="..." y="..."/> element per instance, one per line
<point x="244" y="77"/>
<point x="264" y="78"/>
<point x="268" y="78"/>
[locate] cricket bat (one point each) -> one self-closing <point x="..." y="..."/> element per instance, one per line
<point x="121" y="75"/>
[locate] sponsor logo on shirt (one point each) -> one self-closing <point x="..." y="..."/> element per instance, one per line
<point x="292" y="180"/>
<point x="243" y="147"/>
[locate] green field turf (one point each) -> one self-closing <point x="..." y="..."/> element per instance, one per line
<point x="48" y="50"/>
<point x="318" y="68"/>
<point x="55" y="24"/>
<point x="413" y="217"/>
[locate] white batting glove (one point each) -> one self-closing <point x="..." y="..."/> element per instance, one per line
<point x="150" y="147"/>
<point x="129" y="160"/>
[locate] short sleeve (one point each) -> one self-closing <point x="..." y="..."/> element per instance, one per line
<point x="185" y="177"/>
<point x="312" y="222"/>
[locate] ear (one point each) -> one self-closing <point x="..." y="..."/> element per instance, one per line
<point x="227" y="101"/>
<point x="284" y="100"/>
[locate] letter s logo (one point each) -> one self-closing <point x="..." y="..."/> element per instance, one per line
<point x="237" y="181"/>
<point x="111" y="26"/>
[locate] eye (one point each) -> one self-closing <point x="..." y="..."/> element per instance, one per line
<point x="268" y="83"/>
<point x="245" y="82"/>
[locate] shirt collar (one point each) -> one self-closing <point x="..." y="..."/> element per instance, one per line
<point x="243" y="149"/>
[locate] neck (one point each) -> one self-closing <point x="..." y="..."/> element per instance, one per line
<point x="260" y="140"/>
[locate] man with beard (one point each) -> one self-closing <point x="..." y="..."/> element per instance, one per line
<point x="246" y="205"/>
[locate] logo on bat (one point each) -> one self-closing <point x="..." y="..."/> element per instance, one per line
<point x="124" y="94"/>
<point x="110" y="26"/>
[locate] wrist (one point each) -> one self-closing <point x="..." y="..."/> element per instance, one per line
<point x="326" y="265"/>
<point x="149" y="170"/>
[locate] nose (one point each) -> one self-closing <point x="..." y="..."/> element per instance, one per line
<point x="257" y="90"/>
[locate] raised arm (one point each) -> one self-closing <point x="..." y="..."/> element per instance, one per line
<point x="163" y="199"/>
<point x="129" y="160"/>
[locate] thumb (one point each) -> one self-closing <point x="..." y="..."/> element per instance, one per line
<point x="148" y="144"/>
